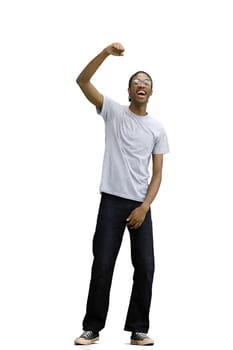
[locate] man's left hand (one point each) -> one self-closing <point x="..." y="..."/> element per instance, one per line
<point x="136" y="217"/>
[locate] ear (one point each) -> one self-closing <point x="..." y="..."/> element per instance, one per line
<point x="129" y="98"/>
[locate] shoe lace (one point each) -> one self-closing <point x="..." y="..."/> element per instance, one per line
<point x="87" y="334"/>
<point x="141" y="335"/>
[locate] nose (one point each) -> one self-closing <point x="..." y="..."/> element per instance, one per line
<point x="142" y="83"/>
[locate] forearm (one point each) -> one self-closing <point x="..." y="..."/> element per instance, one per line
<point x="137" y="216"/>
<point x="152" y="191"/>
<point x="115" y="49"/>
<point x="92" y="67"/>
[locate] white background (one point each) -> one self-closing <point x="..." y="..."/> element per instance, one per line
<point x="51" y="145"/>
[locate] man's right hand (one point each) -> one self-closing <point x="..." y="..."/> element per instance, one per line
<point x="115" y="49"/>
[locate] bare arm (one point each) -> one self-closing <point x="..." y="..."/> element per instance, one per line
<point x="156" y="179"/>
<point x="83" y="80"/>
<point x="137" y="216"/>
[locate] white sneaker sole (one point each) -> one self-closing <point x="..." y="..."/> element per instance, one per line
<point x="83" y="341"/>
<point x="146" y="341"/>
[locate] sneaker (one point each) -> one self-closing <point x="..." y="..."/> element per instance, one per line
<point x="138" y="338"/>
<point x="87" y="338"/>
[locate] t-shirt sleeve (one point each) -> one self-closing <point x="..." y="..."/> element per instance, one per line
<point x="110" y="108"/>
<point x="161" y="145"/>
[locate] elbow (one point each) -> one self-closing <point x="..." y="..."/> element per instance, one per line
<point x="78" y="81"/>
<point x="81" y="82"/>
<point x="157" y="178"/>
<point x="160" y="177"/>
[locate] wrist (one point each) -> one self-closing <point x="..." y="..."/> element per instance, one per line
<point x="107" y="51"/>
<point x="145" y="206"/>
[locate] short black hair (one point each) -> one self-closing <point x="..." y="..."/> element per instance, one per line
<point x="140" y="71"/>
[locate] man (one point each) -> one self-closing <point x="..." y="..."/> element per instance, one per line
<point x="132" y="138"/>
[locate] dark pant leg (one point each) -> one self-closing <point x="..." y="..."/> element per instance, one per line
<point x="142" y="254"/>
<point x="111" y="223"/>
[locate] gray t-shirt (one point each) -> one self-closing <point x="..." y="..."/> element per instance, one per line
<point x="130" y="140"/>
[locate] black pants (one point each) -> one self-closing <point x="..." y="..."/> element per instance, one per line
<point x="111" y="224"/>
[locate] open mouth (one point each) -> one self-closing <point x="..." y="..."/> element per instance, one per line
<point x="141" y="93"/>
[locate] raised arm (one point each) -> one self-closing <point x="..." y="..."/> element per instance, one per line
<point x="83" y="80"/>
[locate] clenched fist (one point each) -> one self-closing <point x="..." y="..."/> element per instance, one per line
<point x="115" y="49"/>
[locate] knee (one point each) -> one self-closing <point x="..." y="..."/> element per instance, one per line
<point x="145" y="268"/>
<point x="103" y="267"/>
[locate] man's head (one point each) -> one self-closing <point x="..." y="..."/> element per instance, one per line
<point x="140" y="85"/>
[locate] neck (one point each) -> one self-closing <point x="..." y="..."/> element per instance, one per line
<point x="138" y="109"/>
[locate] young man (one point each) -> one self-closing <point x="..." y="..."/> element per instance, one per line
<point x="132" y="138"/>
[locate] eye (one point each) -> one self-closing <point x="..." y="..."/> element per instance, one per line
<point x="136" y="82"/>
<point x="147" y="82"/>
